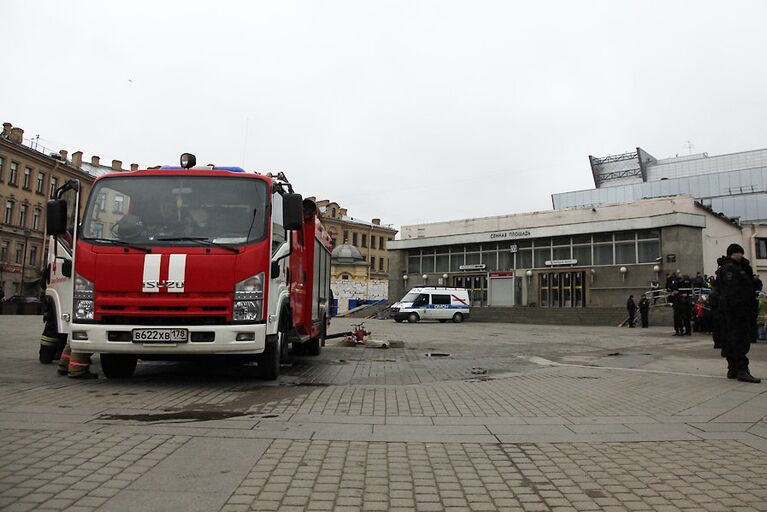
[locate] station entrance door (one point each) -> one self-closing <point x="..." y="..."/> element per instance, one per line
<point x="476" y="284"/>
<point x="562" y="289"/>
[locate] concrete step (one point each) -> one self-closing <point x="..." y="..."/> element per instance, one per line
<point x="597" y="316"/>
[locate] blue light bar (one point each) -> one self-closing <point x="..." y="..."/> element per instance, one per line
<point x="226" y="168"/>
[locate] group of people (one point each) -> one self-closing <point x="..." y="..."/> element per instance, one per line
<point x="734" y="312"/>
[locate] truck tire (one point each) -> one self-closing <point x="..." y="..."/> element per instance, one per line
<point x="269" y="359"/>
<point x="413" y="318"/>
<point x="118" y="366"/>
<point x="314" y="345"/>
<point x="458" y="318"/>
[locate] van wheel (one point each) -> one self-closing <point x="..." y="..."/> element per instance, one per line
<point x="118" y="366"/>
<point x="413" y="318"/>
<point x="457" y="318"/>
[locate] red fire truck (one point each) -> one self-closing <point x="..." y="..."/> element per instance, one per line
<point x="180" y="261"/>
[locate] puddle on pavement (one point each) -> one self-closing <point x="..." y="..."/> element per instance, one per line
<point x="178" y="416"/>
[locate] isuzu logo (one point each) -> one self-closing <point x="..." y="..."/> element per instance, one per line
<point x="169" y="285"/>
<point x="151" y="282"/>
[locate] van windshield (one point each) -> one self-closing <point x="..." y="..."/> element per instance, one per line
<point x="410" y="297"/>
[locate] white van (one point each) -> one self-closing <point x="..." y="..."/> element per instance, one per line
<point x="432" y="303"/>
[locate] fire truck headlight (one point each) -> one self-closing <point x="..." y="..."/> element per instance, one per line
<point x="83" y="288"/>
<point x="247" y="310"/>
<point x="83" y="309"/>
<point x="248" y="299"/>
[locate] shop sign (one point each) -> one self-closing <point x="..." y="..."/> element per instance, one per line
<point x="501" y="275"/>
<point x="11" y="268"/>
<point x="554" y="263"/>
<point x="476" y="266"/>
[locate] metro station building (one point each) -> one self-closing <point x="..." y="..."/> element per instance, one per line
<point x="568" y="258"/>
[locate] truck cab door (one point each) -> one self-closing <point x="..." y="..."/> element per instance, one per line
<point x="61" y="258"/>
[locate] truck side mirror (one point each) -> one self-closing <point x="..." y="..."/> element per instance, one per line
<point x="292" y="212"/>
<point x="56" y="217"/>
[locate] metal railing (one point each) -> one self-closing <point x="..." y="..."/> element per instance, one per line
<point x="662" y="296"/>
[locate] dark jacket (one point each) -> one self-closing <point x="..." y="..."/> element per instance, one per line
<point x="644" y="305"/>
<point x="631" y="305"/>
<point x="736" y="288"/>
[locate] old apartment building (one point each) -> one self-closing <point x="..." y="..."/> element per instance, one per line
<point x="360" y="262"/>
<point x="369" y="237"/>
<point x="29" y="176"/>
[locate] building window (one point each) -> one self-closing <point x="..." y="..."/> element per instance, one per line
<point x="23" y="216"/>
<point x="8" y="212"/>
<point x="118" y="207"/>
<point x="54" y="186"/>
<point x="373" y="240"/>
<point x="649" y="251"/>
<point x="364" y="240"/>
<point x="40" y="182"/>
<point x="97" y="228"/>
<point x="372" y="263"/>
<point x="603" y="254"/>
<point x="101" y="201"/>
<point x="33" y="255"/>
<point x="19" y="253"/>
<point x="2" y="167"/>
<point x="4" y="251"/>
<point x="381" y="264"/>
<point x="36" y="219"/>
<point x="761" y="248"/>
<point x="345" y="277"/>
<point x="354" y="239"/>
<point x="333" y="212"/>
<point x="14" y="173"/>
<point x="27" y="178"/>
<point x="346" y="237"/>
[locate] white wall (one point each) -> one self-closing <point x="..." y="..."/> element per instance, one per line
<point x="343" y="290"/>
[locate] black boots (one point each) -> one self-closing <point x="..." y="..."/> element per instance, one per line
<point x="745" y="376"/>
<point x="47" y="354"/>
<point x="732" y="374"/>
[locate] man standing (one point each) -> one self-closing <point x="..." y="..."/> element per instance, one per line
<point x="735" y="283"/>
<point x="685" y="310"/>
<point x="632" y="309"/>
<point x="644" y="311"/>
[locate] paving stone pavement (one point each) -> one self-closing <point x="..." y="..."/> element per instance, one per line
<point x="551" y="418"/>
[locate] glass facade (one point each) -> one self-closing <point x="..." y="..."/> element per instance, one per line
<point x="741" y="193"/>
<point x="619" y="248"/>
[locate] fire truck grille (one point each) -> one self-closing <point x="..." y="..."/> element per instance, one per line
<point x="163" y="320"/>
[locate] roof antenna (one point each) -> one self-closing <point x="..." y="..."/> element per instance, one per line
<point x="690" y="145"/>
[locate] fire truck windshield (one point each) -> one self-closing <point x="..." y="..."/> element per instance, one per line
<point x="176" y="210"/>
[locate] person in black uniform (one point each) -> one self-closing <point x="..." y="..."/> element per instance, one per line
<point x="685" y="312"/>
<point x="737" y="302"/>
<point x="644" y="311"/>
<point x="632" y="309"/>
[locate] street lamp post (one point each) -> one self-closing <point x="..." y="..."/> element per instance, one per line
<point x="27" y="233"/>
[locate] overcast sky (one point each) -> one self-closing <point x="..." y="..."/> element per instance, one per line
<point x="410" y="111"/>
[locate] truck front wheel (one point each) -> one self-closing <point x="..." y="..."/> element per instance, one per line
<point x="269" y="359"/>
<point x="118" y="366"/>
